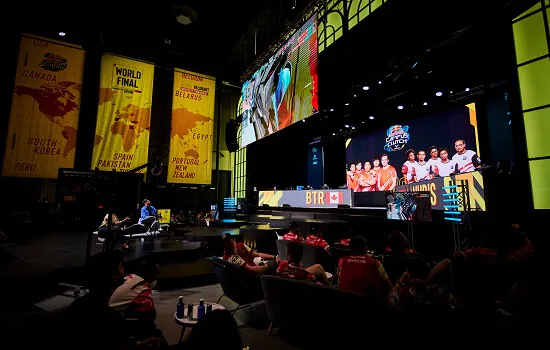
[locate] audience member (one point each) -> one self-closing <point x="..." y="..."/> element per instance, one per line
<point x="293" y="268"/>
<point x="315" y="238"/>
<point x="216" y="330"/>
<point x="134" y="298"/>
<point x="294" y="233"/>
<point x="398" y="244"/>
<point x="360" y="273"/>
<point x="89" y="321"/>
<point x="239" y="254"/>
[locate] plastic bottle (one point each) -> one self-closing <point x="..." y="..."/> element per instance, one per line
<point x="180" y="308"/>
<point x="201" y="309"/>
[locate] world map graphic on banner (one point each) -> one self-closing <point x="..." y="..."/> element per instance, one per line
<point x="123" y="124"/>
<point x="54" y="100"/>
<point x="191" y="133"/>
<point x="185" y="130"/>
<point x="130" y="121"/>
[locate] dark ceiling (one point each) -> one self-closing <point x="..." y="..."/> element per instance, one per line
<point x="220" y="40"/>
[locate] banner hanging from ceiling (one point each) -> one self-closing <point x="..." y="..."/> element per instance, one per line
<point x="191" y="135"/>
<point x="45" y="107"/>
<point x="124" y="114"/>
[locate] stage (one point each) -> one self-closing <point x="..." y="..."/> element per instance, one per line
<point x="40" y="262"/>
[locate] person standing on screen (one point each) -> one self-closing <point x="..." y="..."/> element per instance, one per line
<point x="147" y="210"/>
<point x="422" y="169"/>
<point x="358" y="174"/>
<point x="446" y="166"/>
<point x="433" y="162"/>
<point x="408" y="168"/>
<point x="466" y="160"/>
<point x="376" y="165"/>
<point x="351" y="181"/>
<point x="368" y="179"/>
<point x="387" y="176"/>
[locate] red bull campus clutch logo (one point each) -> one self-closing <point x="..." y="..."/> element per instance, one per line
<point x="397" y="137"/>
<point x="53" y="62"/>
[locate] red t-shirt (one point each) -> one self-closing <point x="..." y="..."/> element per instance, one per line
<point x="345" y="241"/>
<point x="244" y="256"/>
<point x="316" y="241"/>
<point x="405" y="251"/>
<point x="285" y="269"/>
<point x="385" y="177"/>
<point x="361" y="274"/>
<point x="293" y="237"/>
<point x="522" y="253"/>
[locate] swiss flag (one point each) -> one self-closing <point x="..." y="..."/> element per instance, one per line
<point x="334" y="197"/>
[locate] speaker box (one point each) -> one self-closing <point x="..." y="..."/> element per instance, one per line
<point x="231" y="131"/>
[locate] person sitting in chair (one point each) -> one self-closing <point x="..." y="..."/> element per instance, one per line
<point x="134" y="298"/>
<point x="147" y="210"/>
<point x="315" y="238"/>
<point x="239" y="254"/>
<point x="360" y="273"/>
<point x="293" y="268"/>
<point x="294" y="233"/>
<point x="116" y="230"/>
<point x="397" y="244"/>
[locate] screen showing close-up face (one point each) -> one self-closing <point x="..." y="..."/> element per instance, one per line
<point x="415" y="151"/>
<point x="284" y="90"/>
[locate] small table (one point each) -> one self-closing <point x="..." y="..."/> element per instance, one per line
<point x="185" y="322"/>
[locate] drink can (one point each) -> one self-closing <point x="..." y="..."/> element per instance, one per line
<point x="190" y="311"/>
<point x="208" y="308"/>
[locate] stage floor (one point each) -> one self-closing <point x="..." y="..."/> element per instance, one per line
<point x="58" y="257"/>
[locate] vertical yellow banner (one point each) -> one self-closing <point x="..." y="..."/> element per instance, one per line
<point x="124" y="114"/>
<point x="44" y="111"/>
<point x="192" y="130"/>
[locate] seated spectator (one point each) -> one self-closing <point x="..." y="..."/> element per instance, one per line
<point x="316" y="239"/>
<point x="294" y="233"/>
<point x="89" y="322"/>
<point x="116" y="230"/>
<point x="398" y="244"/>
<point x="239" y="254"/>
<point x="345" y="241"/>
<point x="519" y="247"/>
<point x="216" y="330"/>
<point x="134" y="298"/>
<point x="410" y="292"/>
<point x="293" y="268"/>
<point x="360" y="273"/>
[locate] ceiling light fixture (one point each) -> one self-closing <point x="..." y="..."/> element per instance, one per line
<point x="379" y="81"/>
<point x="347" y="126"/>
<point x="354" y="95"/>
<point x="332" y="109"/>
<point x="467" y="89"/>
<point x="61" y="33"/>
<point x="347" y="103"/>
<point x="371" y="117"/>
<point x="353" y="127"/>
<point x="400" y="107"/>
<point x="366" y="87"/>
<point x="439" y="94"/>
<point x="425" y="103"/>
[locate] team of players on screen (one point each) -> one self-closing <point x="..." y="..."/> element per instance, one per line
<point x="367" y="176"/>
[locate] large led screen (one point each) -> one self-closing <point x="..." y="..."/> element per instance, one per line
<point x="419" y="150"/>
<point x="284" y="90"/>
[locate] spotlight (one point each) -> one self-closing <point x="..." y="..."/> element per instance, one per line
<point x="304" y="120"/>
<point x="467" y="89"/>
<point x="379" y="81"/>
<point x="439" y="93"/>
<point x="366" y="88"/>
<point x="347" y="103"/>
<point x="425" y="103"/>
<point x="333" y="134"/>
<point x="347" y="126"/>
<point x="451" y="91"/>
<point x="363" y="122"/>
<point x="371" y="117"/>
<point x="400" y="107"/>
<point x="332" y="109"/>
<point x="61" y="33"/>
<point x="354" y="95"/>
<point x="353" y="127"/>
